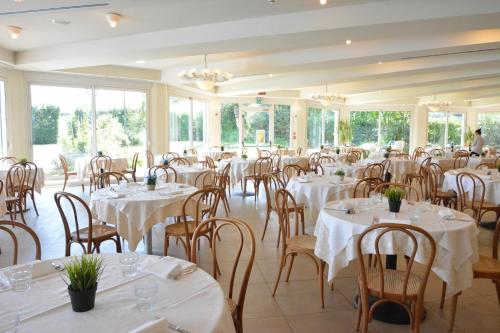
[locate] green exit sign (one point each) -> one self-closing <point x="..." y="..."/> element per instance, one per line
<point x="259" y="100"/>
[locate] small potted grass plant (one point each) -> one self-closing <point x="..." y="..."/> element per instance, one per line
<point x="82" y="275"/>
<point x="394" y="196"/>
<point x="221" y="148"/>
<point x="23" y="161"/>
<point x="341" y="174"/>
<point x="151" y="182"/>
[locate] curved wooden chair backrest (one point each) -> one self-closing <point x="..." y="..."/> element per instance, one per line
<point x="326" y="160"/>
<point x="460" y="162"/>
<point x="313" y="160"/>
<point x="387" y="165"/>
<point x="165" y="172"/>
<point x="484" y="165"/>
<point x="226" y="155"/>
<point x="180" y="161"/>
<point x="437" y="152"/>
<point x="64" y="163"/>
<point x="409" y="190"/>
<point x="262" y="166"/>
<point x="285" y="206"/>
<point x="365" y="186"/>
<point x="206" y="179"/>
<point x="264" y="153"/>
<point x="31" y="171"/>
<point x="15" y="182"/>
<point x="276" y="162"/>
<point x="374" y="170"/>
<point x="169" y="156"/>
<point x="408" y="231"/>
<point x="244" y="236"/>
<point x="272" y="183"/>
<point x="471" y="190"/>
<point x="417" y="152"/>
<point x="135" y="160"/>
<point x="223" y="178"/>
<point x="150" y="159"/>
<point x="459" y="153"/>
<point x="353" y="156"/>
<point x="192" y="151"/>
<point x="292" y="170"/>
<point x="100" y="162"/>
<point x="8" y="226"/>
<point x="210" y="163"/>
<point x="106" y="179"/>
<point x="70" y="208"/>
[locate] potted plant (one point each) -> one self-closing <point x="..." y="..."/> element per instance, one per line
<point x="151" y="182"/>
<point x="221" y="148"/>
<point x="321" y="147"/>
<point x="337" y="150"/>
<point x="345" y="132"/>
<point x="468" y="137"/>
<point x="394" y="196"/>
<point x="341" y="174"/>
<point x="244" y="156"/>
<point x="99" y="153"/>
<point x="164" y="162"/>
<point x="23" y="161"/>
<point x="184" y="152"/>
<point x="82" y="275"/>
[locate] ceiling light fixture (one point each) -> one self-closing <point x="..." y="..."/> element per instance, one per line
<point x="139" y="61"/>
<point x="348" y="42"/>
<point x="113" y="19"/>
<point x="380" y="62"/>
<point x="322" y="2"/>
<point x="61" y="22"/>
<point x="206" y="78"/>
<point x="14" y="31"/>
<point x="328" y="99"/>
<point x="435" y="105"/>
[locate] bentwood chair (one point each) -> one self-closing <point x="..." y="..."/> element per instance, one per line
<point x="71" y="208"/>
<point x="435" y="179"/>
<point x="180" y="161"/>
<point x="198" y="206"/>
<point x="163" y="172"/>
<point x="9" y="227"/>
<point x="98" y="165"/>
<point x="485" y="268"/>
<point x="169" y="156"/>
<point x="290" y="171"/>
<point x="209" y="163"/>
<point x="460" y="162"/>
<point x="404" y="287"/>
<point x="205" y="179"/>
<point x="276" y="163"/>
<point x="8" y="160"/>
<point x="263" y="153"/>
<point x="325" y="159"/>
<point x="365" y="186"/>
<point x="374" y="170"/>
<point x="67" y="173"/>
<point x="14" y="191"/>
<point x="150" y="159"/>
<point x="223" y="183"/>
<point x="387" y="166"/>
<point x="471" y="191"/>
<point x="245" y="241"/>
<point x="437" y="152"/>
<point x="260" y="169"/>
<point x="132" y="171"/>
<point x="295" y="241"/>
<point x="313" y="162"/>
<point x="30" y="183"/>
<point x="106" y="179"/>
<point x="411" y="194"/>
<point x="417" y="153"/>
<point x="420" y="174"/>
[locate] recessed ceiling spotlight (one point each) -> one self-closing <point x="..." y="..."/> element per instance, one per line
<point x="14" y="31"/>
<point x="348" y="42"/>
<point x="270" y="75"/>
<point x="113" y="19"/>
<point x="139" y="61"/>
<point x="62" y="22"/>
<point x="271" y="1"/>
<point x="322" y="2"/>
<point x="380" y="62"/>
<point x="18" y="0"/>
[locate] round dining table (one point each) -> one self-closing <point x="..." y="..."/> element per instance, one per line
<point x="82" y="166"/>
<point x="194" y="302"/>
<point x="491" y="183"/>
<point x="135" y="210"/>
<point x="185" y="174"/>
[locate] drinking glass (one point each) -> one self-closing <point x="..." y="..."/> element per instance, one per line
<point x="128" y="263"/>
<point x="144" y="291"/>
<point x="376" y="197"/>
<point x="20" y="277"/>
<point x="364" y="205"/>
<point x="9" y="321"/>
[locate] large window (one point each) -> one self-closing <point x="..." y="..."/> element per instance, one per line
<point x="3" y="137"/>
<point x="187" y="123"/>
<point x="282" y="125"/>
<point x="444" y="129"/>
<point x="321" y="127"/>
<point x="63" y="123"/>
<point x="229" y="120"/>
<point x="490" y="127"/>
<point x="256" y="124"/>
<point x="380" y="127"/>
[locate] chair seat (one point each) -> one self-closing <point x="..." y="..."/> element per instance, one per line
<point x="99" y="233"/>
<point x="486" y="205"/>
<point x="487" y="268"/>
<point x="448" y="194"/>
<point x="393" y="282"/>
<point x="301" y="243"/>
<point x="179" y="229"/>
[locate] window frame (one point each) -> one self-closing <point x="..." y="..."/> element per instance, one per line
<point x="446" y="133"/>
<point x="191" y="117"/>
<point x="323" y="113"/>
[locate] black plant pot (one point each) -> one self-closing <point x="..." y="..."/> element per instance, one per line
<point x="386" y="155"/>
<point x="82" y="301"/>
<point x="394" y="206"/>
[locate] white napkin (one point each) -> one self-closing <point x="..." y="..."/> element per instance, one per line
<point x="154" y="326"/>
<point x="303" y="180"/>
<point x="168" y="267"/>
<point x="342" y="206"/>
<point x="388" y="220"/>
<point x="114" y="195"/>
<point x="446" y="214"/>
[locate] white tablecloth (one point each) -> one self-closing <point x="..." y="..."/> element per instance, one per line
<point x="447" y="163"/>
<point x="491" y="183"/>
<point x="216" y="155"/>
<point x="39" y="182"/>
<point x="301" y="161"/>
<point x="137" y="212"/>
<point x="185" y="175"/>
<point x="82" y="166"/>
<point x="193" y="159"/>
<point x="352" y="171"/>
<point x="239" y="168"/>
<point x="456" y="241"/>
<point x="315" y="191"/>
<point x="46" y="306"/>
<point x="399" y="167"/>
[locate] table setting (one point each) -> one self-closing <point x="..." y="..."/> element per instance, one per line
<point x="341" y="222"/>
<point x="82" y="166"/>
<point x="134" y="209"/>
<point x="185" y="174"/>
<point x="490" y="177"/>
<point x="131" y="293"/>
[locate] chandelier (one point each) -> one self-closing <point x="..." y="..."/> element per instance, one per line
<point x="328" y="99"/>
<point x="206" y="78"/>
<point x="436" y="105"/>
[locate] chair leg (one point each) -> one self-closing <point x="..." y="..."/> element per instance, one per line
<point x="360" y="307"/>
<point x="32" y="195"/>
<point x="290" y="267"/>
<point x="65" y="181"/>
<point x="165" y="245"/>
<point x="21" y="212"/>
<point x="282" y="264"/>
<point x="118" y="245"/>
<point x="454" y="302"/>
<point x="497" y="285"/>
<point x="268" y="215"/>
<point x="443" y="293"/>
<point x="321" y="283"/>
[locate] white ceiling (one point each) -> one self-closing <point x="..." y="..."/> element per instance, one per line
<point x="426" y="47"/>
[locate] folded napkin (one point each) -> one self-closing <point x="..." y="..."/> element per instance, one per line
<point x="113" y="194"/>
<point x="303" y="180"/>
<point x="342" y="206"/>
<point x="399" y="221"/>
<point x="446" y="214"/>
<point x="168" y="267"/>
<point x="154" y="326"/>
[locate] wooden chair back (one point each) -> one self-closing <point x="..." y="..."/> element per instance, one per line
<point x="262" y="166"/>
<point x="209" y="163"/>
<point x="135" y="160"/>
<point x="64" y="164"/>
<point x="276" y="162"/>
<point x="437" y="152"/>
<point x="180" y="161"/>
<point x="150" y="159"/>
<point x="244" y="236"/>
<point x="292" y="170"/>
<point x="169" y="156"/>
<point x="365" y="186"/>
<point x="106" y="179"/>
<point x="192" y="151"/>
<point x="73" y="211"/>
<point x="8" y="226"/>
<point x="226" y="155"/>
<point x="314" y="160"/>
<point x="353" y="156"/>
<point x="460" y="153"/>
<point x="325" y="159"/>
<point x="9" y="160"/>
<point x="15" y="182"/>
<point x="164" y="172"/>
<point x="471" y="190"/>
<point x="31" y="174"/>
<point x="411" y="193"/>
<point x="460" y="162"/>
<point x="374" y="170"/>
<point x="206" y="179"/>
<point x="285" y="205"/>
<point x="299" y="151"/>
<point x="264" y="153"/>
<point x="99" y="164"/>
<point x="272" y="183"/>
<point x="417" y="153"/>
<point x="484" y="165"/>
<point x="408" y="231"/>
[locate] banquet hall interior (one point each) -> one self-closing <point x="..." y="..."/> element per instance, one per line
<point x="257" y="166"/>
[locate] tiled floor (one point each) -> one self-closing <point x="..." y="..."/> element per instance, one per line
<point x="296" y="307"/>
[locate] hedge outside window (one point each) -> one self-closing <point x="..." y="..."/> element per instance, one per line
<point x="229" y="125"/>
<point x="444" y="129"/>
<point x="321" y="127"/>
<point x="186" y="123"/>
<point x="490" y="127"/>
<point x="282" y="125"/>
